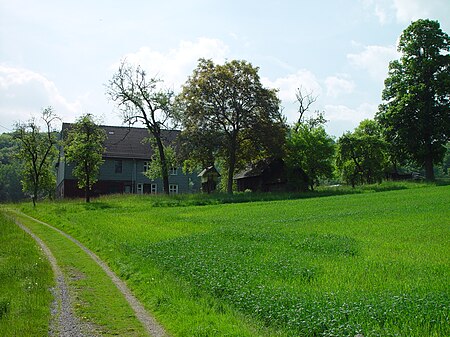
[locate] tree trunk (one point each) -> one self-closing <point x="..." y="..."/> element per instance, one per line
<point x="164" y="170"/>
<point x="429" y="170"/>
<point x="35" y="191"/>
<point x="231" y="166"/>
<point x="87" y="189"/>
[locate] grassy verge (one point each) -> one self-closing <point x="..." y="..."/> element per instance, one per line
<point x="371" y="263"/>
<point x="96" y="299"/>
<point x="25" y="281"/>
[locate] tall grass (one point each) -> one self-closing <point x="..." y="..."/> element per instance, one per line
<point x="25" y="281"/>
<point x="370" y="263"/>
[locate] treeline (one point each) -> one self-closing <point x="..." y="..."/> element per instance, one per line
<point x="230" y="120"/>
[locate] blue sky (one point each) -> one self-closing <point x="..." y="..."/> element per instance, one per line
<point x="62" y="53"/>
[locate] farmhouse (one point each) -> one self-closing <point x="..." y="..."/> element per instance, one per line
<point x="126" y="158"/>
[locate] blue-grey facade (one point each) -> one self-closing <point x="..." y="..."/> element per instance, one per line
<point x="126" y="158"/>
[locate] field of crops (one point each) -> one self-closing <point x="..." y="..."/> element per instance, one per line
<point x="372" y="263"/>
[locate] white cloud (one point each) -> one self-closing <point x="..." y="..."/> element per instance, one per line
<point x="288" y="86"/>
<point x="177" y="64"/>
<point x="352" y="115"/>
<point x="405" y="11"/>
<point x="374" y="59"/>
<point x="411" y="10"/>
<point x="381" y="14"/>
<point x="24" y="93"/>
<point x="337" y="85"/>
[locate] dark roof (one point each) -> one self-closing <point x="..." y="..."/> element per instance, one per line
<point x="129" y="142"/>
<point x="254" y="170"/>
<point x="209" y="169"/>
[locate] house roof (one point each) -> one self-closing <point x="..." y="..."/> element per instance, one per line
<point x="254" y="170"/>
<point x="129" y="142"/>
<point x="209" y="169"/>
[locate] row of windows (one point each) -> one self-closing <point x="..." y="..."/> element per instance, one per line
<point x="173" y="188"/>
<point x="173" y="171"/>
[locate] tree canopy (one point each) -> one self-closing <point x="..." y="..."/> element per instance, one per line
<point x="311" y="149"/>
<point x="361" y="155"/>
<point x="227" y="103"/>
<point x="141" y="99"/>
<point x="416" y="108"/>
<point x="84" y="147"/>
<point x="38" y="151"/>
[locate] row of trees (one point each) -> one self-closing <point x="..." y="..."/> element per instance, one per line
<point x="229" y="118"/>
<point x="28" y="156"/>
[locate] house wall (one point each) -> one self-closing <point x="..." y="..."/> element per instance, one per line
<point x="130" y="180"/>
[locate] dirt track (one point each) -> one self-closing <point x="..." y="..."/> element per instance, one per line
<point x="65" y="323"/>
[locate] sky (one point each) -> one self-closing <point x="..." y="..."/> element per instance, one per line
<point x="63" y="53"/>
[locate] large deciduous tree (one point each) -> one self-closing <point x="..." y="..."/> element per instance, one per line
<point x="227" y="103"/>
<point x="84" y="147"/>
<point x="37" y="150"/>
<point x="416" y="108"/>
<point x="141" y="98"/>
<point x="362" y="155"/>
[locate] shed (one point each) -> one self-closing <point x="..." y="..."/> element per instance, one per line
<point x="271" y="175"/>
<point x="267" y="175"/>
<point x="209" y="178"/>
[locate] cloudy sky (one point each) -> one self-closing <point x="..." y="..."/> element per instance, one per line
<point x="62" y="53"/>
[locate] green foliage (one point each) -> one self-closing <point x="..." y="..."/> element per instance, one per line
<point x="445" y="167"/>
<point x="25" y="281"/>
<point x="362" y="155"/>
<point x="10" y="169"/>
<point x="38" y="151"/>
<point x="154" y="170"/>
<point x="83" y="146"/>
<point x="310" y="148"/>
<point x="370" y="263"/>
<point x="229" y="115"/>
<point x="416" y="108"/>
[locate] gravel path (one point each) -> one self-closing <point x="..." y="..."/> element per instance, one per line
<point x="66" y="317"/>
<point x="64" y="322"/>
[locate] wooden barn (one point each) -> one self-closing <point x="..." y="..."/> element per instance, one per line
<point x="271" y="175"/>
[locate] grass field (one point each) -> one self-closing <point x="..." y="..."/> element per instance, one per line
<point x="373" y="263"/>
<point x="25" y="281"/>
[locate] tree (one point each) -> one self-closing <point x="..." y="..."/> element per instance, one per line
<point x="84" y="147"/>
<point x="416" y="108"/>
<point x="38" y="151"/>
<point x="310" y="148"/>
<point x="361" y="155"/>
<point x="140" y="99"/>
<point x="229" y="103"/>
<point x="305" y="99"/>
<point x="10" y="169"/>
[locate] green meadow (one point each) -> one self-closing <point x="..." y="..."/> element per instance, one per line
<point x="25" y="281"/>
<point x="375" y="262"/>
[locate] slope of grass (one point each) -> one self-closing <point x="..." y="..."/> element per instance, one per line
<point x="371" y="263"/>
<point x="25" y="281"/>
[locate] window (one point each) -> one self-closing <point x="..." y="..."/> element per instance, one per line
<point x="173" y="171"/>
<point x="117" y="166"/>
<point x="173" y="189"/>
<point x="153" y="188"/>
<point x="140" y="188"/>
<point x="146" y="166"/>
